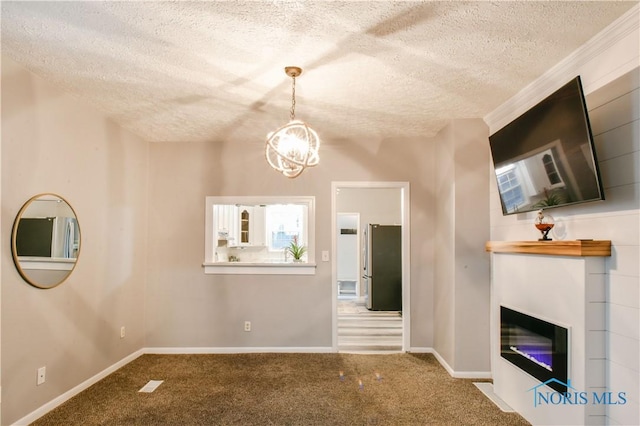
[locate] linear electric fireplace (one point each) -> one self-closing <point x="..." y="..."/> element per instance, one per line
<point x="537" y="347"/>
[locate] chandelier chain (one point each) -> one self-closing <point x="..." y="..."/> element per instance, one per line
<point x="293" y="100"/>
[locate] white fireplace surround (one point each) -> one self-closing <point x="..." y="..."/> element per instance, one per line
<point x="568" y="290"/>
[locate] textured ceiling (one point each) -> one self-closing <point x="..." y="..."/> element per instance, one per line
<point x="213" y="71"/>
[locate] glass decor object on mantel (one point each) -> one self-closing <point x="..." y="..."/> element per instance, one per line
<point x="544" y="223"/>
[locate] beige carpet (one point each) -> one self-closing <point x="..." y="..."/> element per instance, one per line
<point x="282" y="389"/>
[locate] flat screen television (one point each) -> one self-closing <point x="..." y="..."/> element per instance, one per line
<point x="546" y="158"/>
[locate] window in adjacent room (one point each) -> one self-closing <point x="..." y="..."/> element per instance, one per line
<point x="284" y="223"/>
<point x="510" y="188"/>
<point x="551" y="169"/>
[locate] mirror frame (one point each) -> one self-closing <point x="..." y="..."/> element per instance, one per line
<point x="14" y="249"/>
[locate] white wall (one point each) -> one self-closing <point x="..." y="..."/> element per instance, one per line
<point x="375" y="205"/>
<point x="51" y="142"/>
<point x="2" y="254"/>
<point x="461" y="268"/>
<point x="443" y="231"/>
<point x="615" y="114"/>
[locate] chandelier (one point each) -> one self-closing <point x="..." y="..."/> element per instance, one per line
<point x="294" y="146"/>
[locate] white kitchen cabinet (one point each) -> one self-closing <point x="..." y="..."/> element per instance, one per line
<point x="240" y="225"/>
<point x="251" y="226"/>
<point x="257" y="226"/>
<point x="226" y="219"/>
<point x="245" y="218"/>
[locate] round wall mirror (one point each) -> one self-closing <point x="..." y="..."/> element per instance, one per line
<point x="45" y="241"/>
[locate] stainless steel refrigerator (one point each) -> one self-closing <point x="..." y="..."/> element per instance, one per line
<point x="382" y="264"/>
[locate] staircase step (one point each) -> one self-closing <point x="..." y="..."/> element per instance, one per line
<point x="370" y="315"/>
<point x="369" y="348"/>
<point x="369" y="324"/>
<point x="369" y="332"/>
<point x="369" y="340"/>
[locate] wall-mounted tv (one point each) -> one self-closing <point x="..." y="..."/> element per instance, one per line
<point x="546" y="157"/>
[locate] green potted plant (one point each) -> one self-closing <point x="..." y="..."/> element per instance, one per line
<point x="296" y="250"/>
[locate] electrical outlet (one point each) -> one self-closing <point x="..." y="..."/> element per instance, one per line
<point x="122" y="332"/>
<point x="247" y="326"/>
<point x="42" y="371"/>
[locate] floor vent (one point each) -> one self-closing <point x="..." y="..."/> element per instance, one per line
<point x="151" y="386"/>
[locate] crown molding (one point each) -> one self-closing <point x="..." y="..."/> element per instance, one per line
<point x="564" y="70"/>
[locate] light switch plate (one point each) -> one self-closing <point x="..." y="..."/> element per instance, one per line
<point x="325" y="255"/>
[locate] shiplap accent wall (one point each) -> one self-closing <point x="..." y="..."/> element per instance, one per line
<point x="608" y="65"/>
<point x="614" y="111"/>
<point x="615" y="118"/>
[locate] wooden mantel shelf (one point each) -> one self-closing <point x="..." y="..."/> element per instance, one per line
<point x="552" y="248"/>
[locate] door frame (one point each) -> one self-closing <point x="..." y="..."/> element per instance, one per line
<point x="405" y="202"/>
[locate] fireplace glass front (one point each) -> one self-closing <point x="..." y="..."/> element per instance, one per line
<point x="538" y="347"/>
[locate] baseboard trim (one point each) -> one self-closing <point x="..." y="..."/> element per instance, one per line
<point x="451" y="371"/>
<point x="44" y="409"/>
<point x="236" y="350"/>
<point x="487" y="389"/>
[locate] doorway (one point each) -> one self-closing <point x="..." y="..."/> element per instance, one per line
<point x="385" y="203"/>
